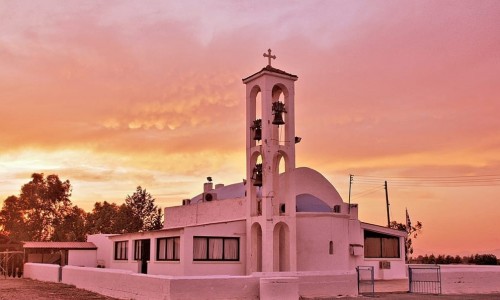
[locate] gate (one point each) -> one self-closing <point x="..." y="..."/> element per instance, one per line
<point x="366" y="282"/>
<point x="11" y="263"/>
<point x="425" y="279"/>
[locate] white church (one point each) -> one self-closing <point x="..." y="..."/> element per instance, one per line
<point x="280" y="219"/>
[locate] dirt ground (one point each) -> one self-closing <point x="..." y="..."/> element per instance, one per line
<point x="38" y="290"/>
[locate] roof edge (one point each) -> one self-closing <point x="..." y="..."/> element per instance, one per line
<point x="270" y="70"/>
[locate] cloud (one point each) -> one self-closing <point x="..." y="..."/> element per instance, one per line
<point x="115" y="94"/>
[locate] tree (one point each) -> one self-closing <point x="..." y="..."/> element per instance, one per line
<point x="103" y="218"/>
<point x="485" y="259"/>
<point x="44" y="203"/>
<point x="12" y="220"/>
<point x="42" y="206"/>
<point x="145" y="215"/>
<point x="72" y="228"/>
<point x="412" y="232"/>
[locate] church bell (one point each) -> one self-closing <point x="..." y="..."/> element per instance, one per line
<point x="257" y="125"/>
<point x="278" y="110"/>
<point x="258" y="134"/>
<point x="257" y="175"/>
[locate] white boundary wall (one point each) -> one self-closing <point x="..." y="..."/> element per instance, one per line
<point x="82" y="258"/>
<point x="42" y="272"/>
<point x="128" y="285"/>
<point x="470" y="279"/>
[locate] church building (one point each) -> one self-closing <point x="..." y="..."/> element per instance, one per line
<point x="281" y="218"/>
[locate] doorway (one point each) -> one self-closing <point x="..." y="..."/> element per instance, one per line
<point x="142" y="249"/>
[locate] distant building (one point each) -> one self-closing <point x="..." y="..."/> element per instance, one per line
<point x="61" y="253"/>
<point x="279" y="219"/>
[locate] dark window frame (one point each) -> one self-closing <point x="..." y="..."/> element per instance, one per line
<point x="119" y="254"/>
<point x="380" y="237"/>
<point x="224" y="238"/>
<point x="173" y="238"/>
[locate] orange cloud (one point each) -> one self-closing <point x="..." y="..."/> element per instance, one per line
<point x="111" y="96"/>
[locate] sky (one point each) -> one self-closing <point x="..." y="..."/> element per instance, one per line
<point x="115" y="94"/>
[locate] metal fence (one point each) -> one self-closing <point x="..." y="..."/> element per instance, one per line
<point x="425" y="279"/>
<point x="366" y="282"/>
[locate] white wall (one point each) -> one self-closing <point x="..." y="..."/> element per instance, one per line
<point x="127" y="285"/>
<point x="42" y="272"/>
<point x="397" y="270"/>
<point x="104" y="245"/>
<point x="314" y="232"/>
<point x="328" y="284"/>
<point x="204" y="212"/>
<point x="82" y="258"/>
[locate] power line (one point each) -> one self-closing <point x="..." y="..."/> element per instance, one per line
<point x="421" y="181"/>
<point x="368" y="192"/>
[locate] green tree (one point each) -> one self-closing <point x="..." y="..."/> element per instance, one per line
<point x="12" y="220"/>
<point x="44" y="203"/>
<point x="412" y="232"/>
<point x="41" y="207"/>
<point x="485" y="259"/>
<point x="103" y="218"/>
<point x="72" y="227"/>
<point x="145" y="215"/>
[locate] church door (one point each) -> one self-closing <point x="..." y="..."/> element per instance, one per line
<point x="145" y="250"/>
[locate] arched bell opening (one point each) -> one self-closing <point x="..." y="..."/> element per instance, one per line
<point x="279" y="111"/>
<point x="256" y="248"/>
<point x="254" y="182"/>
<point x="280" y="165"/>
<point x="255" y="116"/>
<point x="281" y="251"/>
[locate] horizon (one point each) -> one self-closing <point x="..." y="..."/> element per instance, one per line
<point x="113" y="95"/>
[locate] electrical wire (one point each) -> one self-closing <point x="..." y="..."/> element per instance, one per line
<point x="421" y="181"/>
<point x="367" y="192"/>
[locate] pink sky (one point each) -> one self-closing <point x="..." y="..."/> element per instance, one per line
<point x="115" y="94"/>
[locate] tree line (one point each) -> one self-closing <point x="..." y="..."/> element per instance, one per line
<point x="43" y="211"/>
<point x="477" y="259"/>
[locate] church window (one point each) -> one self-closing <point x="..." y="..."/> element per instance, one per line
<point x="330" y="248"/>
<point x="379" y="245"/>
<point x="216" y="248"/>
<point x="121" y="250"/>
<point x="168" y="248"/>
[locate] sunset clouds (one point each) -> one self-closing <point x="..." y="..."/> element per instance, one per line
<point x="115" y="94"/>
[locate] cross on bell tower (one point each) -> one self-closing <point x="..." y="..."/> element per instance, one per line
<point x="270" y="148"/>
<point x="269" y="56"/>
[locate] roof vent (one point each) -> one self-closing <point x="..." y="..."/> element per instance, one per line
<point x="209" y="197"/>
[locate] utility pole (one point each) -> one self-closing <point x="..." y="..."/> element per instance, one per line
<point x="387" y="204"/>
<point x="350" y="184"/>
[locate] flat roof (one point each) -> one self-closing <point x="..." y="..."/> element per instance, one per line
<point x="382" y="229"/>
<point x="60" y="245"/>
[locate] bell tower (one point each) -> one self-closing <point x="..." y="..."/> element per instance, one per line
<point x="270" y="159"/>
